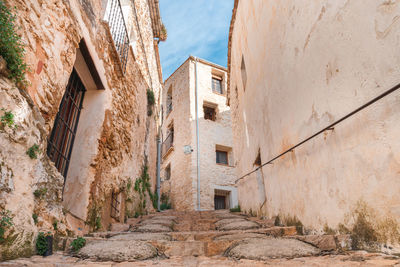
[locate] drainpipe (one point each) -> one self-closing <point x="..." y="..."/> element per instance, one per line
<point x="158" y="171"/>
<point x="197" y="136"/>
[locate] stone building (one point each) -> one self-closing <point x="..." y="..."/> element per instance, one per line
<point x="296" y="67"/>
<point x="188" y="115"/>
<point x="92" y="67"/>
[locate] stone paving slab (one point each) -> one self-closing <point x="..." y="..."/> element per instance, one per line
<point x="239" y="225"/>
<point x="153" y="228"/>
<point x="117" y="250"/>
<point x="270" y="248"/>
<point x="142" y="236"/>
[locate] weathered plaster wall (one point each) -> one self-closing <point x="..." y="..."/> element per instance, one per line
<point x="115" y="136"/>
<point x="179" y="187"/>
<point x="211" y="133"/>
<point x="309" y="64"/>
<point x="183" y="183"/>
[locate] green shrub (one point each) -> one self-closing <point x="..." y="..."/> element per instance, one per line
<point x="55" y="225"/>
<point x="150" y="97"/>
<point x="165" y="203"/>
<point x="31" y="152"/>
<point x="78" y="243"/>
<point x="35" y="218"/>
<point x="41" y="244"/>
<point x="7" y="119"/>
<point x="6" y="221"/>
<point x="11" y="47"/>
<point x="165" y="206"/>
<point x="235" y="209"/>
<point x="40" y="193"/>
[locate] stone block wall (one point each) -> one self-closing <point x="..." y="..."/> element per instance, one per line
<point x="115" y="136"/>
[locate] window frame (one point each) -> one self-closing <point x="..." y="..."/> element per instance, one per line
<point x="214" y="112"/>
<point x="216" y="157"/>
<point x="220" y="80"/>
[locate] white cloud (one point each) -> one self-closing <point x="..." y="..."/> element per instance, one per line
<point x="195" y="27"/>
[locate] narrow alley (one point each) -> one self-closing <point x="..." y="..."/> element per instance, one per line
<point x="199" y="133"/>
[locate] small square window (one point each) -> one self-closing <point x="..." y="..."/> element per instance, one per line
<point x="216" y="83"/>
<point x="222" y="157"/>
<point x="209" y="113"/>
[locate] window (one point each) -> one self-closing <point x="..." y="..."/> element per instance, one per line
<point x="209" y="113"/>
<point x="168" y="172"/>
<point x="115" y="205"/>
<point x="169" y="140"/>
<point x="118" y="30"/>
<point x="62" y="136"/>
<point x="216" y="84"/>
<point x="244" y="74"/>
<point x="222" y="157"/>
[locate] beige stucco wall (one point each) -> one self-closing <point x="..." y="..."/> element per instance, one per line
<point x="211" y="133"/>
<point x="308" y="64"/>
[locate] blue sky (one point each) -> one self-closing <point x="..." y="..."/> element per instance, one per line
<point x="195" y="27"/>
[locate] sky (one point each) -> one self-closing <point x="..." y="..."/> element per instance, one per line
<point x="195" y="27"/>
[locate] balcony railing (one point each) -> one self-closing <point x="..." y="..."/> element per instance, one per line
<point x="168" y="143"/>
<point x="119" y="31"/>
<point x="169" y="108"/>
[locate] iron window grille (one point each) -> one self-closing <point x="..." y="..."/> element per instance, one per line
<point x="209" y="113"/>
<point x="62" y="136"/>
<point x="115" y="203"/>
<point x="168" y="142"/>
<point x="216" y="84"/>
<point x="119" y="31"/>
<point x="222" y="157"/>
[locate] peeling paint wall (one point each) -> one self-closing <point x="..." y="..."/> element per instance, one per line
<point x="307" y="65"/>
<point x="183" y="183"/>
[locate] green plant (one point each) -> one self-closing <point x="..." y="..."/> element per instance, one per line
<point x="40" y="192"/>
<point x="165" y="206"/>
<point x="165" y="203"/>
<point x="11" y="46"/>
<point x="41" y="244"/>
<point x="98" y="223"/>
<point x="150" y="97"/>
<point x="93" y="219"/>
<point x="31" y="152"/>
<point x="7" y="119"/>
<point x="328" y="230"/>
<point x="35" y="218"/>
<point x="294" y="221"/>
<point x="277" y="221"/>
<point x="78" y="243"/>
<point x="55" y="225"/>
<point x="235" y="209"/>
<point x="142" y="185"/>
<point x="6" y="222"/>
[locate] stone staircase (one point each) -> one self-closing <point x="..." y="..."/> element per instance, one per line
<point x="207" y="238"/>
<point x="180" y="234"/>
